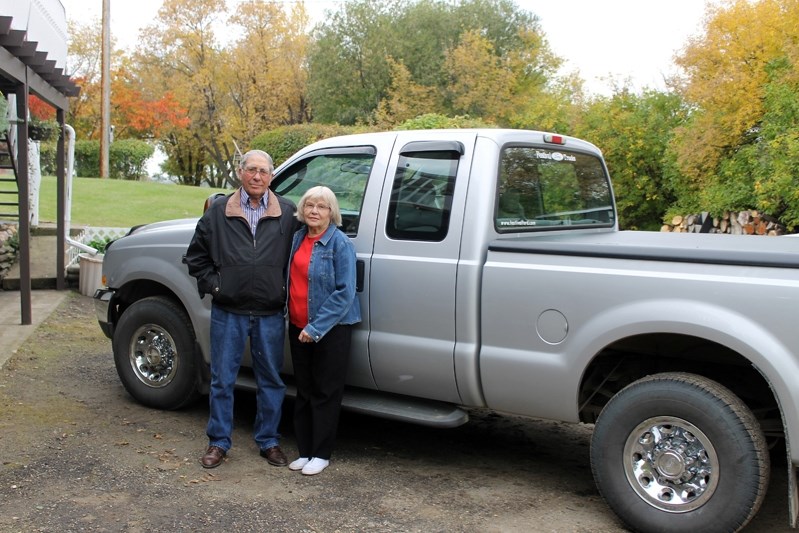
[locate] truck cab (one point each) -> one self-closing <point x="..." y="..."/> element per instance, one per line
<point x="415" y="206"/>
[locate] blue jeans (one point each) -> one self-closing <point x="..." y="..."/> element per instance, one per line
<point x="229" y="333"/>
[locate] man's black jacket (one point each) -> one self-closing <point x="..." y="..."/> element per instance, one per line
<point x="243" y="274"/>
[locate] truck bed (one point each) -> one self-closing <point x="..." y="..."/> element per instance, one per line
<point x="740" y="250"/>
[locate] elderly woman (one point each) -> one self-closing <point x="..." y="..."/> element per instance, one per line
<point x="322" y="309"/>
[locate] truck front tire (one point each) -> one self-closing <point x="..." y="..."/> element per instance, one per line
<point x="678" y="452"/>
<point x="154" y="354"/>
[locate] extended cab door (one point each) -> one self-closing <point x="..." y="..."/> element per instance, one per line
<point x="414" y="266"/>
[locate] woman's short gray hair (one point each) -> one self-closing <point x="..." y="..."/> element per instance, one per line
<point x="263" y="154"/>
<point x="320" y="192"/>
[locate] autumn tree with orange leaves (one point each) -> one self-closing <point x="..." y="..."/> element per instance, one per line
<point x="233" y="87"/>
<point x="40" y="109"/>
<point x="140" y="116"/>
<point x="134" y="113"/>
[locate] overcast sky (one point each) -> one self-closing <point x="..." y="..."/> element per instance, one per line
<point x="634" y="39"/>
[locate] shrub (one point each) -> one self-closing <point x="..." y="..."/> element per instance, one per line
<point x="87" y="159"/>
<point x="284" y="141"/>
<point x="128" y="158"/>
<point x="433" y="121"/>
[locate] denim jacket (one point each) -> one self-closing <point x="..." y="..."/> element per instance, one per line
<point x="331" y="282"/>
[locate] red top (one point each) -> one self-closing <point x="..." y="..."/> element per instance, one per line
<point x="298" y="292"/>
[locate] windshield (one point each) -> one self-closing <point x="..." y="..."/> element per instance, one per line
<point x="544" y="188"/>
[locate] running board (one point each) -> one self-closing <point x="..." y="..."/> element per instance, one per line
<point x="391" y="406"/>
<point x="405" y="408"/>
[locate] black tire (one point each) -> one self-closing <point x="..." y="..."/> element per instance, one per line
<point x="677" y="452"/>
<point x="155" y="355"/>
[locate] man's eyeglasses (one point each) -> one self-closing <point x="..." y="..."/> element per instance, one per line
<point x="252" y="171"/>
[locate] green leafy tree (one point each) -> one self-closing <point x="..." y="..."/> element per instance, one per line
<point x="186" y="159"/>
<point x="634" y="131"/>
<point x="764" y="173"/>
<point x="128" y="158"/>
<point x="432" y="121"/>
<point x="555" y="106"/>
<point x="352" y="64"/>
<point x="406" y="99"/>
<point x="425" y="30"/>
<point x="480" y="84"/>
<point x="348" y="62"/>
<point x="283" y="142"/>
<point x="776" y="174"/>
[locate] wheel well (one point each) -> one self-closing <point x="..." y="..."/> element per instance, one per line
<point x="630" y="359"/>
<point x="137" y="290"/>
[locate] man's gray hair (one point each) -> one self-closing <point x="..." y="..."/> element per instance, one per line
<point x="263" y="154"/>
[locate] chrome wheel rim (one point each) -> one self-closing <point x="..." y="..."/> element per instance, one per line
<point x="153" y="356"/>
<point x="671" y="464"/>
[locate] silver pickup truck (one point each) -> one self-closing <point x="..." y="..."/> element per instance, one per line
<point x="492" y="274"/>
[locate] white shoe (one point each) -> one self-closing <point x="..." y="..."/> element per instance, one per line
<point x="297" y="464"/>
<point x="315" y="466"/>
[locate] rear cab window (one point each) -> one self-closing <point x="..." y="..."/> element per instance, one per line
<point x="549" y="188"/>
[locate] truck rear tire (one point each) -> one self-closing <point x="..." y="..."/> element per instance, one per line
<point x="678" y="452"/>
<point x="154" y="354"/>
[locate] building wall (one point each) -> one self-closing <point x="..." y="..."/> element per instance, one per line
<point x="46" y="23"/>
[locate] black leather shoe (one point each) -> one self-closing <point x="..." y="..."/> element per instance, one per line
<point x="274" y="456"/>
<point x="213" y="457"/>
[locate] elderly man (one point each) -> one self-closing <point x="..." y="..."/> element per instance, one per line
<point x="239" y="254"/>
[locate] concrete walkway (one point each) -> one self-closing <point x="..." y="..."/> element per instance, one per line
<point x="44" y="299"/>
<point x="12" y="333"/>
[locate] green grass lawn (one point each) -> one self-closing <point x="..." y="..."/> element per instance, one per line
<point x="122" y="204"/>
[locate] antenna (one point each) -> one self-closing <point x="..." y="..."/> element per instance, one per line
<point x="236" y="156"/>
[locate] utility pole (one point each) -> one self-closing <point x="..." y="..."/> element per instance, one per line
<point x="105" y="98"/>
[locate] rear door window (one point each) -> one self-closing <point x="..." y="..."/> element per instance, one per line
<point x="421" y="196"/>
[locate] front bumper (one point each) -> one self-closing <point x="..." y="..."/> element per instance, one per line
<point x="102" y="305"/>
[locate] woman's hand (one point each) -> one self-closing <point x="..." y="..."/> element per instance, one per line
<point x="304" y="337"/>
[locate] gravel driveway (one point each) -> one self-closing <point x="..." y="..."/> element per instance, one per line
<point x="79" y="455"/>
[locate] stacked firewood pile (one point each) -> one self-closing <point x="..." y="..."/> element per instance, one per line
<point x="748" y="222"/>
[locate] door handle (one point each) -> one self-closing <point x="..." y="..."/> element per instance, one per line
<point x="360" y="268"/>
